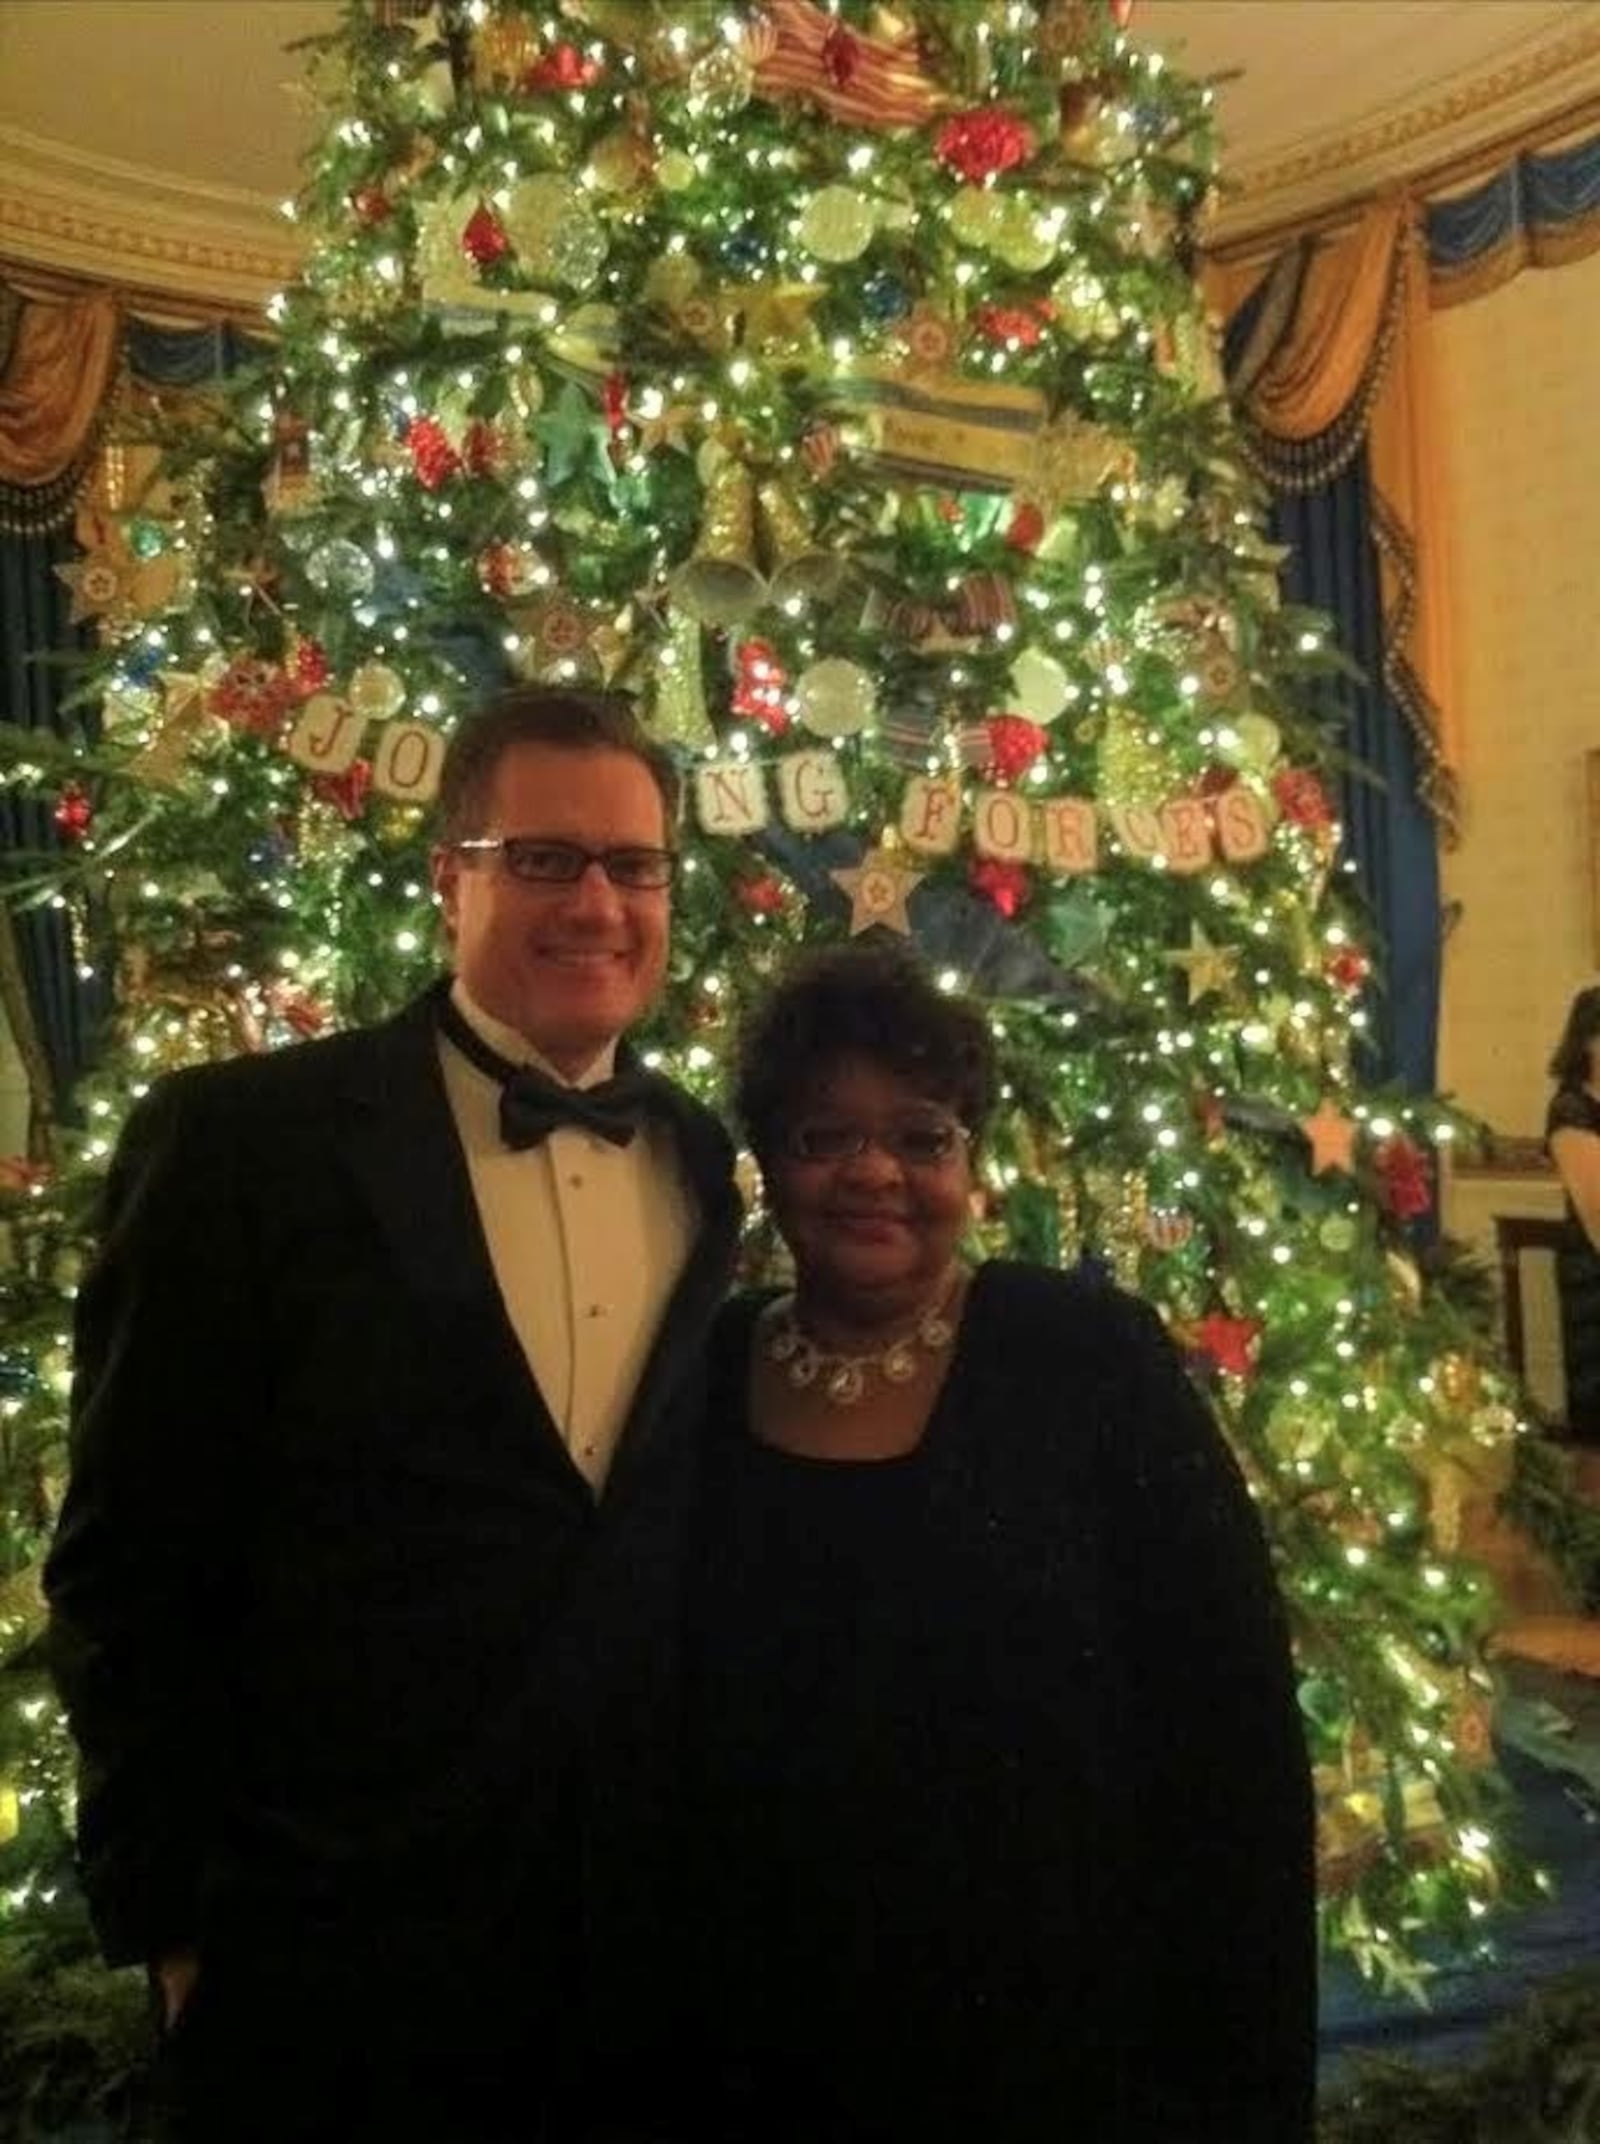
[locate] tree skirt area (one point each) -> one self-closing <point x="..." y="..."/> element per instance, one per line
<point x="1547" y="1732"/>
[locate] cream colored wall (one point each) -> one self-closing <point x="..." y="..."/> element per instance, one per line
<point x="1515" y="376"/>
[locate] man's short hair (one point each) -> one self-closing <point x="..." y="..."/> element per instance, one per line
<point x="571" y="720"/>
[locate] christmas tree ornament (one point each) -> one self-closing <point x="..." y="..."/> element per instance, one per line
<point x="1207" y="968"/>
<point x="976" y="215"/>
<point x="720" y="82"/>
<point x="1230" y="1344"/>
<point x="1039" y="686"/>
<point x="485" y="240"/>
<point x="760" y="897"/>
<point x="719" y="583"/>
<point x="798" y="568"/>
<point x="1006" y="886"/>
<point x="1403" y="1177"/>
<point x="346" y="793"/>
<point x="1013" y="745"/>
<point x="1256" y="744"/>
<point x="558" y="237"/>
<point x="677" y="710"/>
<point x="433" y="456"/>
<point x="340" y="568"/>
<point x="1331" y="1136"/>
<point x="799" y="49"/>
<point x="252" y="695"/>
<point x="74" y="812"/>
<point x="510" y="570"/>
<point x="1303" y="800"/>
<point x="758" y="686"/>
<point x="376" y="691"/>
<point x="101" y="584"/>
<point x="879" y="888"/>
<point x="561" y="67"/>
<point x="982" y="143"/>
<point x="835" y="697"/>
<point x="837" y="224"/>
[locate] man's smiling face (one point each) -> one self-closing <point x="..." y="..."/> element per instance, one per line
<point x="569" y="967"/>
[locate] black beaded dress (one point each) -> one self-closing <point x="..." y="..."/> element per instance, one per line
<point x="999" y="1822"/>
<point x="1578" y="1281"/>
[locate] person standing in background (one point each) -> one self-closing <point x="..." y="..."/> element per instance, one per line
<point x="1572" y="1135"/>
<point x="387" y="1380"/>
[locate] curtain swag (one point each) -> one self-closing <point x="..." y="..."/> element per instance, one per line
<point x="1336" y="360"/>
<point x="63" y="363"/>
<point x="1539" y="211"/>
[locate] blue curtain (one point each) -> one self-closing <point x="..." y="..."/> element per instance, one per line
<point x="35" y="632"/>
<point x="1389" y="829"/>
<point x="34" y="620"/>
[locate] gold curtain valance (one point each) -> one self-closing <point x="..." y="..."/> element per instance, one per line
<point x="61" y="359"/>
<point x="1340" y="358"/>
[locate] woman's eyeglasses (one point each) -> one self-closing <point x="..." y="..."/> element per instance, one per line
<point x="538" y="862"/>
<point x="914" y="1142"/>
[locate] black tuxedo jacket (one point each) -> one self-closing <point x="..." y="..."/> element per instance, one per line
<point x="339" y="1625"/>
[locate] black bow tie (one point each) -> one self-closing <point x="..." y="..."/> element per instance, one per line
<point x="532" y="1105"/>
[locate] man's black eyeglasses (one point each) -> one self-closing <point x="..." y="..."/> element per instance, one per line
<point x="538" y="862"/>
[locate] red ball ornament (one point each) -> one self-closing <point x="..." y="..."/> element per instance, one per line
<point x="485" y="239"/>
<point x="1006" y="885"/>
<point x="1348" y="968"/>
<point x="1023" y="325"/>
<point x="1014" y="744"/>
<point x="371" y="205"/>
<point x="74" y="813"/>
<point x="759" y="896"/>
<point x="979" y="144"/>
<point x="432" y="455"/>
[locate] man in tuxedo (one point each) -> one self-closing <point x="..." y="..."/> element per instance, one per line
<point x="387" y="1377"/>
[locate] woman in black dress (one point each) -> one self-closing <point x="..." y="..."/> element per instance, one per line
<point x="1572" y="1134"/>
<point x="1000" y="1817"/>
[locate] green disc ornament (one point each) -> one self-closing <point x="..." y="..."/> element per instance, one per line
<point x="837" y="224"/>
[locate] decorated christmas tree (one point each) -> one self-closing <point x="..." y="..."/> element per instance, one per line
<point x="834" y="380"/>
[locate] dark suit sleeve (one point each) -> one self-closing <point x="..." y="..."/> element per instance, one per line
<point x="1220" y="1944"/>
<point x="134" y="1578"/>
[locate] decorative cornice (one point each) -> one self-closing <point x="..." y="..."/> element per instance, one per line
<point x="65" y="209"/>
<point x="1471" y="112"/>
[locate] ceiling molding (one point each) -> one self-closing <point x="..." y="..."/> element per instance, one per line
<point x="66" y="209"/>
<point x="1474" y="112"/>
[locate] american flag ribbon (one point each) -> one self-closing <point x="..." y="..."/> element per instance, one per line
<point x="860" y="81"/>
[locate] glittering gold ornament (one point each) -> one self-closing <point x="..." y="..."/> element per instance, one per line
<point x="1134" y="771"/>
<point x="678" y="698"/>
<point x="376" y="691"/>
<point x="675" y="171"/>
<point x="558" y="236"/>
<point x="719" y="584"/>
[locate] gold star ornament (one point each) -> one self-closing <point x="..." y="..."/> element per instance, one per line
<point x="1208" y="967"/>
<point x="879" y="887"/>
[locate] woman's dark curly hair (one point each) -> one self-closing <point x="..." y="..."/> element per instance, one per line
<point x="1569" y="1067"/>
<point x="875" y="1002"/>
